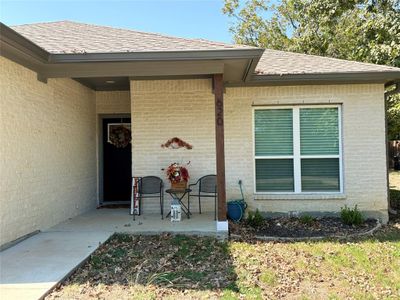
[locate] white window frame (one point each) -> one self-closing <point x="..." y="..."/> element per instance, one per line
<point x="296" y="149"/>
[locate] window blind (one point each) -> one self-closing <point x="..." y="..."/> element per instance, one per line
<point x="319" y="131"/>
<point x="274" y="175"/>
<point x="321" y="174"/>
<point x="273" y="132"/>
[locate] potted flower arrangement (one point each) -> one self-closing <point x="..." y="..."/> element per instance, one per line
<point x="178" y="175"/>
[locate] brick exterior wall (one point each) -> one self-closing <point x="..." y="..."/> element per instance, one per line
<point x="113" y="102"/>
<point x="47" y="151"/>
<point x="162" y="109"/>
<point x="364" y="156"/>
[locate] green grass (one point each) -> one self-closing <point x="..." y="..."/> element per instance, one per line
<point x="189" y="249"/>
<point x="181" y="267"/>
<point x="123" y="238"/>
<point x="118" y="252"/>
<point x="268" y="277"/>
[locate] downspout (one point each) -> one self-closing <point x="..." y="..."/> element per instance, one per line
<point x="386" y="97"/>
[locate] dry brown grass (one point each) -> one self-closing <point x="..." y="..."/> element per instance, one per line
<point x="179" y="267"/>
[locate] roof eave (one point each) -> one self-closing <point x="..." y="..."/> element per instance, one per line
<point x="156" y="56"/>
<point x="324" y="78"/>
<point x="251" y="67"/>
<point x="15" y="40"/>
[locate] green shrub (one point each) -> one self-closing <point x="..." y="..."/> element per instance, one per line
<point x="255" y="219"/>
<point x="351" y="216"/>
<point x="307" y="219"/>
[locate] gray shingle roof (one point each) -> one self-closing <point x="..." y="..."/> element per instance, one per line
<point x="67" y="37"/>
<point x="73" y="37"/>
<point x="274" y="62"/>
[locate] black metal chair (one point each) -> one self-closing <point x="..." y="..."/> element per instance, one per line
<point x="151" y="187"/>
<point x="207" y="188"/>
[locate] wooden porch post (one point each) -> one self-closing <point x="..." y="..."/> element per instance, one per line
<point x="219" y="142"/>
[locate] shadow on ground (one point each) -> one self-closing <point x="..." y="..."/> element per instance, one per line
<point x="153" y="264"/>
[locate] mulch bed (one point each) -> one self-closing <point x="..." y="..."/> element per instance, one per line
<point x="285" y="227"/>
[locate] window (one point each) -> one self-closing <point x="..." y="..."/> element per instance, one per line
<point x="297" y="149"/>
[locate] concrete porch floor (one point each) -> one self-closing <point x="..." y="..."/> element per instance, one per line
<point x="29" y="269"/>
<point x="118" y="220"/>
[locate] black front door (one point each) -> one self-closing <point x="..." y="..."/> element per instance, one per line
<point x="117" y="163"/>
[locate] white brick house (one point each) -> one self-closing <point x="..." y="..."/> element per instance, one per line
<point x="303" y="133"/>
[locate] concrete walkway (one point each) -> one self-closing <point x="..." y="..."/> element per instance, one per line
<point x="31" y="268"/>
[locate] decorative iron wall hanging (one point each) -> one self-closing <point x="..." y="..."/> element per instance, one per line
<point x="176" y="143"/>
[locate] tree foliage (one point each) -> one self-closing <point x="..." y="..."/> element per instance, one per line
<point x="361" y="30"/>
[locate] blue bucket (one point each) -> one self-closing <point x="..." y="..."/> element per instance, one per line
<point x="236" y="210"/>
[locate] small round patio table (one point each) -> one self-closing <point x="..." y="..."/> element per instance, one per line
<point x="179" y="194"/>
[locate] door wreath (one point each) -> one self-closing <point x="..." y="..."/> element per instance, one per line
<point x="119" y="135"/>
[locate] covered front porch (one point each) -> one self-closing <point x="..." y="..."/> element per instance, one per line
<point x="157" y="111"/>
<point x="118" y="220"/>
<point x="191" y="110"/>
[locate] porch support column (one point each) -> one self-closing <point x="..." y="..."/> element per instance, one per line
<point x="218" y="86"/>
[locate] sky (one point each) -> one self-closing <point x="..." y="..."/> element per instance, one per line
<point x="183" y="18"/>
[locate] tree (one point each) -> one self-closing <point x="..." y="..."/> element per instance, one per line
<point x="361" y="30"/>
